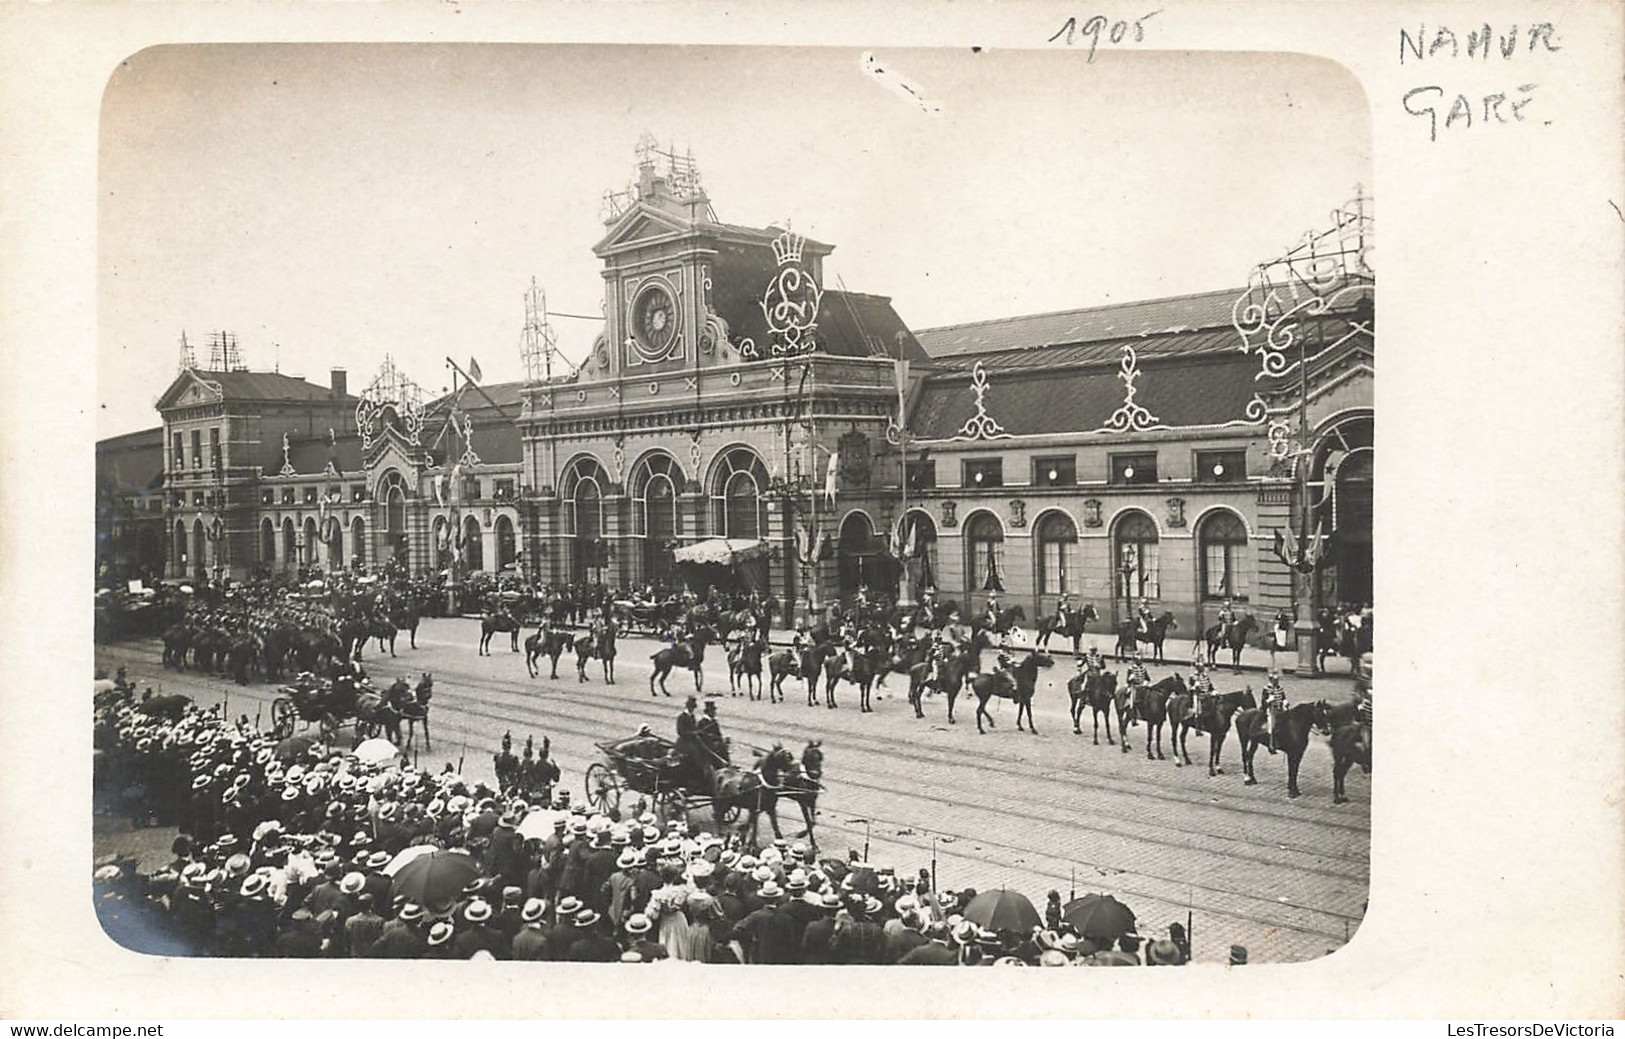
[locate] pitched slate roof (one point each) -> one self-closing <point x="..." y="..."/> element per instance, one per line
<point x="858" y="324"/>
<point x="496" y="436"/>
<point x="256" y="386"/>
<point x="132" y="462"/>
<point x="309" y="455"/>
<point x="1044" y="400"/>
<point x="1112" y="323"/>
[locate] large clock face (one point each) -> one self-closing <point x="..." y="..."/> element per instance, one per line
<point x="654" y="322"/>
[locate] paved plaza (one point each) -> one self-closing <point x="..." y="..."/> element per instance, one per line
<point x="1286" y="878"/>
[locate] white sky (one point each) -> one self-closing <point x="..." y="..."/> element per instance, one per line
<point x="347" y="201"/>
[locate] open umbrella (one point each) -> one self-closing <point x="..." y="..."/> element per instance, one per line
<point x="293" y="748"/>
<point x="1099" y="916"/>
<point x="435" y="876"/>
<point x="403" y="857"/>
<point x="1003" y="910"/>
<point x="377" y="751"/>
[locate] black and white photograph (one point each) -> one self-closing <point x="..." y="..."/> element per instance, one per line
<point x="731" y="502"/>
<point x="650" y="521"/>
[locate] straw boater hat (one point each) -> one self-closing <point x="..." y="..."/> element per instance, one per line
<point x="411" y="911"/>
<point x="353" y="884"/>
<point x="586" y="918"/>
<point x="638" y="923"/>
<point x="378" y="860"/>
<point x="569" y="906"/>
<point x="533" y="911"/>
<point x="440" y="933"/>
<point x="478" y="911"/>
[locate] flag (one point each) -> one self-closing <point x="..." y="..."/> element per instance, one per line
<point x="454" y="482"/>
<point x="909" y="542"/>
<point x="440" y="489"/>
<point x="829" y="476"/>
<point x="900" y="373"/>
<point x="473" y="369"/>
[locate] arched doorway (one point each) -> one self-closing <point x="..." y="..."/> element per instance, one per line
<point x="471" y="544"/>
<point x="1134" y="564"/>
<point x="583" y="492"/>
<point x="1055" y="542"/>
<point x="1222" y="557"/>
<point x="358" y="543"/>
<point x="1340" y="487"/>
<point x="290" y="544"/>
<point x="333" y="538"/>
<point x="984" y="557"/>
<point x="391" y="492"/>
<point x="917" y="534"/>
<point x="311" y="554"/>
<point x="506" y="549"/>
<point x="441" y="546"/>
<point x="862" y="560"/>
<point x="655" y="483"/>
<point x="267" y="544"/>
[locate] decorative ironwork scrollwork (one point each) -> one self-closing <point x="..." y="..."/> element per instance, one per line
<point x="980" y="426"/>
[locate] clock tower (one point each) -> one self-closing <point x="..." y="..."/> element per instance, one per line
<point x="681" y="289"/>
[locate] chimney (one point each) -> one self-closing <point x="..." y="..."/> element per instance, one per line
<point x="340" y="383"/>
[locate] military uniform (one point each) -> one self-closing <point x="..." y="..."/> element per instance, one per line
<point x="1201" y="689"/>
<point x="1274" y="704"/>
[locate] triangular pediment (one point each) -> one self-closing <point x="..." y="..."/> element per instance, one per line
<point x="189" y="390"/>
<point x="639" y="223"/>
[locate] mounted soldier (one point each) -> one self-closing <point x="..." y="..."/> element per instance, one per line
<point x="1143" y="620"/>
<point x="800" y="643"/>
<point x="1362" y="713"/>
<point x="1201" y="689"/>
<point x="1092" y="663"/>
<point x="1063" y="612"/>
<point x="990" y="612"/>
<point x="1138" y="677"/>
<point x="1227" y="621"/>
<point x="949" y="641"/>
<point x="1274" y="704"/>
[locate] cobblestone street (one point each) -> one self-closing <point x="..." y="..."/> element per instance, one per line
<point x="1287" y="879"/>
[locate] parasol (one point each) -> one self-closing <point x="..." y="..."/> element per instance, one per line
<point x="1099" y="916"/>
<point x="377" y="751"/>
<point x="721" y="551"/>
<point x="294" y="747"/>
<point x="402" y="858"/>
<point x="435" y="876"/>
<point x="1003" y="910"/>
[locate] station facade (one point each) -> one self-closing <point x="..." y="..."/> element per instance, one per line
<point x="1176" y="452"/>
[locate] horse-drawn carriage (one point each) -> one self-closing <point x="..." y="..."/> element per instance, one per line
<point x="647" y="617"/>
<point x="331" y="705"/>
<point x="674" y="785"/>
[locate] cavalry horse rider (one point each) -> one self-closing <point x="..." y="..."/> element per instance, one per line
<point x="800" y="642"/>
<point x="990" y="612"/>
<point x="1362" y="712"/>
<point x="1138" y="677"/>
<point x="1201" y="688"/>
<point x="1143" y="620"/>
<point x="1063" y="612"/>
<point x="1227" y="622"/>
<point x="948" y="642"/>
<point x="1091" y="665"/>
<point x="1274" y="703"/>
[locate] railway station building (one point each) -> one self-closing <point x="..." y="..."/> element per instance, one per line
<point x="1177" y="451"/>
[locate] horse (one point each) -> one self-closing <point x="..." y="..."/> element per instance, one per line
<point x="1003" y="621"/>
<point x="1072" y="627"/>
<point x="950" y="674"/>
<point x="313" y="648"/>
<point x="490" y="624"/>
<point x="600" y="643"/>
<point x="861" y="672"/>
<point x="782" y="665"/>
<point x="405" y="619"/>
<point x="1151" y="705"/>
<point x="1084" y="691"/>
<point x="1129" y="637"/>
<point x="745" y="662"/>
<point x="1106" y="698"/>
<point x="168" y="706"/>
<point x="1292" y="728"/>
<point x="552" y="642"/>
<point x="354" y="633"/>
<point x="416" y="711"/>
<point x="1235" y="639"/>
<point x="383" y="629"/>
<point x="1019" y="686"/>
<point x="688" y="654"/>
<point x="1348" y="749"/>
<point x="1215" y="721"/>
<point x="752" y="790"/>
<point x="177" y="640"/>
<point x="803" y="784"/>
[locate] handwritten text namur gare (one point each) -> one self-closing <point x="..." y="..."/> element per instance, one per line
<point x="1490" y="108"/>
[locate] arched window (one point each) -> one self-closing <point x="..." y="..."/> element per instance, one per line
<point x="199" y="550"/>
<point x="182" y="558"/>
<point x="1057" y="539"/>
<point x="919" y="545"/>
<point x="1223" y="551"/>
<point x="862" y="559"/>
<point x="505" y="542"/>
<point x="737" y="483"/>
<point x="984" y="553"/>
<point x="290" y="544"/>
<point x="583" y="488"/>
<point x="655" y="483"/>
<point x="267" y="543"/>
<point x="1134" y="559"/>
<point x="313" y="543"/>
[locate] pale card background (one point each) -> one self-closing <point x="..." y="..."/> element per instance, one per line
<point x="1497" y="835"/>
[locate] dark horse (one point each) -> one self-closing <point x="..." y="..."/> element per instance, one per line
<point x="950" y="675"/>
<point x="1235" y="640"/>
<point x="782" y="665"/>
<point x="599" y="643"/>
<point x="1348" y="749"/>
<point x="1072" y="628"/>
<point x="745" y="668"/>
<point x="1151" y="705"/>
<point x="1215" y="721"/>
<point x="1096" y="693"/>
<point x="752" y="791"/>
<point x="490" y="624"/>
<point x="553" y="643"/>
<point x="1019" y="686"/>
<point x="1129" y="637"/>
<point x="1292" y="728"/>
<point x="688" y="655"/>
<point x="861" y="672"/>
<point x="1003" y="621"/>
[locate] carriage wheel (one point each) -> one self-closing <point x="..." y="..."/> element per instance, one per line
<point x="603" y="789"/>
<point x="282" y="718"/>
<point x="671" y="805"/>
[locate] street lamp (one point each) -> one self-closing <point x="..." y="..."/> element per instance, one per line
<point x="1128" y="563"/>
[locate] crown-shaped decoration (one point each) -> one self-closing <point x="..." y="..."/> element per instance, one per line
<point x="787" y="248"/>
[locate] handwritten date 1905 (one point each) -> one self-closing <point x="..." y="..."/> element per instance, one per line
<point x="1098" y="26"/>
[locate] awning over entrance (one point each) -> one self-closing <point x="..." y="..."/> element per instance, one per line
<point x="721" y="551"/>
